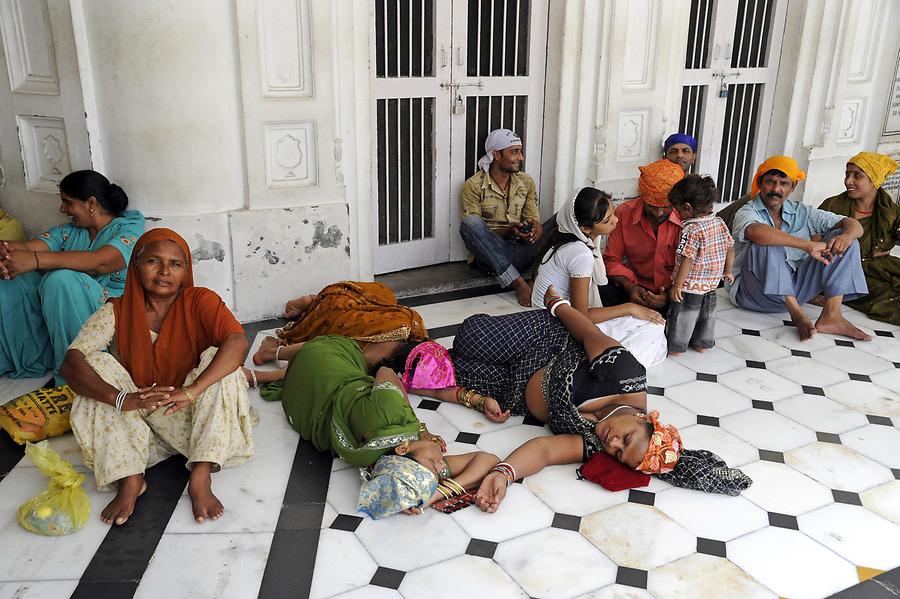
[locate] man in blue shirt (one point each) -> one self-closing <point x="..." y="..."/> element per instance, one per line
<point x="786" y="253"/>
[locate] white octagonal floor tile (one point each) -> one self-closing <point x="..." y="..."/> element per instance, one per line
<point x="757" y="383"/>
<point x="751" y="347"/>
<point x="837" y="467"/>
<point x="559" y="488"/>
<point x="746" y="319"/>
<point x="396" y="541"/>
<point x="710" y="515"/>
<point x="764" y="429"/>
<point x="462" y="576"/>
<point x="638" y="536"/>
<point x="34" y="589"/>
<point x="502" y="443"/>
<point x="712" y="361"/>
<point x="617" y="591"/>
<point x="454" y="312"/>
<point x="886" y="348"/>
<point x="725" y="329"/>
<point x="864" y="322"/>
<point x="343" y="490"/>
<point x="787" y="337"/>
<point x="849" y="359"/>
<point x="472" y="421"/>
<point x="520" y="513"/>
<point x="884" y="500"/>
<point x="370" y="592"/>
<point x="436" y="423"/>
<point x="856" y="534"/>
<point x="670" y="412"/>
<point x="342" y="564"/>
<point x="704" y="576"/>
<point x="820" y="414"/>
<point x="876" y="441"/>
<point x="806" y="371"/>
<point x="669" y="373"/>
<point x="709" y="399"/>
<point x="565" y="565"/>
<point x="889" y="380"/>
<point x="866" y="398"/>
<point x="722" y="443"/>
<point x="791" y="564"/>
<point x="781" y="489"/>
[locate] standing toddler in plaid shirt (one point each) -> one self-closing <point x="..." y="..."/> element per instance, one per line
<point x="703" y="257"/>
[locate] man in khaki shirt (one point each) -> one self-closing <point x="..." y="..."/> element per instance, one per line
<point x="500" y="220"/>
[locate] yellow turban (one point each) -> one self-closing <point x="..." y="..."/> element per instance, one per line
<point x="785" y="164"/>
<point x="656" y="181"/>
<point x="877" y="166"/>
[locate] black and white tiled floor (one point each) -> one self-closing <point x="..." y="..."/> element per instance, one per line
<point x="814" y="424"/>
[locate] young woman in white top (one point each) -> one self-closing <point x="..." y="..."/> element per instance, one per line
<point x="573" y="264"/>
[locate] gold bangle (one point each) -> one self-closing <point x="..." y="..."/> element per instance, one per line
<point x="188" y="394"/>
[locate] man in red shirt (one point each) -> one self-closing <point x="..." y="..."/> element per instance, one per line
<point x="640" y="253"/>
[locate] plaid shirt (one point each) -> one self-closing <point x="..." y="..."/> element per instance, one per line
<point x="705" y="240"/>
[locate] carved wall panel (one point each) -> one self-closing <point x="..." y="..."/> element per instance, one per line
<point x="639" y="58"/>
<point x="285" y="51"/>
<point x="852" y="118"/>
<point x="632" y="138"/>
<point x="28" y="43"/>
<point x="862" y="46"/>
<point x="44" y="151"/>
<point x="291" y="154"/>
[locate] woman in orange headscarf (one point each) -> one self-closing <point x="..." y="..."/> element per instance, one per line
<point x="171" y="382"/>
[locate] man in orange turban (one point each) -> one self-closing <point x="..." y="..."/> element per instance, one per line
<point x="640" y="253"/>
<point x="778" y="266"/>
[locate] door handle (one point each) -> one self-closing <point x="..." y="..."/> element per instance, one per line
<point x="716" y="50"/>
<point x="443" y="57"/>
<point x="728" y="51"/>
<point x="459" y="58"/>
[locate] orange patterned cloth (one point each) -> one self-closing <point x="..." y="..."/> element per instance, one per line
<point x="361" y="311"/>
<point x="785" y="164"/>
<point x="656" y="181"/>
<point x="664" y="448"/>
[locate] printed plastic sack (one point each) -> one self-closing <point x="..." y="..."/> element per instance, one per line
<point x="37" y="415"/>
<point x="64" y="507"/>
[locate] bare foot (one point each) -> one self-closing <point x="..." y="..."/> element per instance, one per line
<point x="841" y="326"/>
<point x="675" y="353"/>
<point x="523" y="292"/>
<point x="266" y="351"/>
<point x="700" y="349"/>
<point x="819" y="300"/>
<point x="294" y="307"/>
<point x="804" y="325"/>
<point x="204" y="503"/>
<point x="122" y="506"/>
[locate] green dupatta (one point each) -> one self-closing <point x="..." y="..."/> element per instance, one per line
<point x="331" y="400"/>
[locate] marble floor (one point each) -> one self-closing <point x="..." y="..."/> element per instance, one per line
<point x="814" y="424"/>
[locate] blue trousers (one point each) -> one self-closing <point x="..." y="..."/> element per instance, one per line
<point x="766" y="278"/>
<point x="504" y="258"/>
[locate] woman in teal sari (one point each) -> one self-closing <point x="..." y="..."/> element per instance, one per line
<point x="51" y="284"/>
<point x="866" y="201"/>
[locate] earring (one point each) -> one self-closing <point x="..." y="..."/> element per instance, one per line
<point x="92" y="209"/>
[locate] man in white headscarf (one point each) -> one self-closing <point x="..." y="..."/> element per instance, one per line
<point x="500" y="219"/>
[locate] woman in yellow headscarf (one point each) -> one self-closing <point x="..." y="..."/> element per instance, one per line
<point x="866" y="201"/>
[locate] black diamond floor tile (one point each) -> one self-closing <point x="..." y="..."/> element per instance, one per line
<point x="387" y="578"/>
<point x="896" y="364"/>
<point x="828" y="438"/>
<point x="800" y="353"/>
<point x="429" y="404"/>
<point x="896" y="473"/>
<point x="566" y="522"/>
<point x="709" y="378"/>
<point x="859" y="377"/>
<point x="755" y="364"/>
<point x="771" y="456"/>
<point x="750" y="332"/>
<point x="642" y="497"/>
<point x="883" y="420"/>
<point x="884" y="333"/>
<point x="788" y="323"/>
<point x="763" y="405"/>
<point x="707" y="420"/>
<point x="846" y="497"/>
<point x="632" y="577"/>
<point x="711" y="547"/>
<point x="470" y="438"/>
<point x="809" y="390"/>
<point x="843" y="343"/>
<point x="481" y="548"/>
<point x="346" y="522"/>
<point x="783" y="521"/>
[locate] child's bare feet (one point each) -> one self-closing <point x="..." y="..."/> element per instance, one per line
<point x="523" y="292"/>
<point x="267" y="350"/>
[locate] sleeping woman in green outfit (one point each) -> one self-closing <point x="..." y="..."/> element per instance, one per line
<point x="345" y="396"/>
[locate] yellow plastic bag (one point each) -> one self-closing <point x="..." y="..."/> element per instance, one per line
<point x="64" y="507"/>
<point x="37" y="415"/>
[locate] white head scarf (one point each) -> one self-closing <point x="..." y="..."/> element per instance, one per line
<point x="565" y="220"/>
<point x="498" y="139"/>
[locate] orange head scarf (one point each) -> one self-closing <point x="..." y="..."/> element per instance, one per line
<point x="785" y="164"/>
<point x="664" y="448"/>
<point x="196" y="320"/>
<point x="656" y="181"/>
<point x="876" y="166"/>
